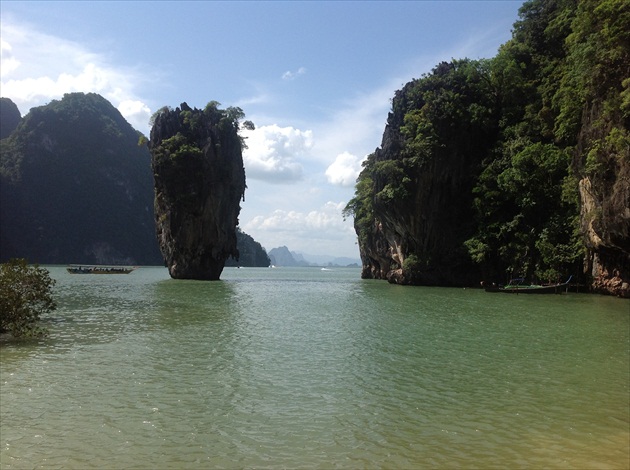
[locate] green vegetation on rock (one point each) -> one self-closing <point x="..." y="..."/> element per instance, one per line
<point x="9" y="117"/>
<point x="76" y="183"/>
<point x="250" y="252"/>
<point x="199" y="181"/>
<point x="517" y="165"/>
<point x="75" y="187"/>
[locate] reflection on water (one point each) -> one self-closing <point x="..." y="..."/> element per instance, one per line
<point x="304" y="368"/>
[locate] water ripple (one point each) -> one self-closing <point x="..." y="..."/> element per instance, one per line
<point x="291" y="369"/>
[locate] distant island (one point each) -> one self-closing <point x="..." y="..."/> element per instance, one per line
<point x="281" y="256"/>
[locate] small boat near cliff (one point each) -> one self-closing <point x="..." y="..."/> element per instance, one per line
<point x="516" y="286"/>
<point x="99" y="269"/>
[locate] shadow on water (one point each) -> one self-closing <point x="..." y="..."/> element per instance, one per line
<point x="179" y="303"/>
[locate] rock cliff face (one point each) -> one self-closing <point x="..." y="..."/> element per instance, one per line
<point x="199" y="182"/>
<point x="605" y="201"/>
<point x="511" y="167"/>
<point x="421" y="201"/>
<point x="250" y="252"/>
<point x="602" y="155"/>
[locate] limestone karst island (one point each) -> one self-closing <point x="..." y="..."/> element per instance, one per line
<point x="199" y="183"/>
<point x="354" y="282"/>
<point x="516" y="165"/>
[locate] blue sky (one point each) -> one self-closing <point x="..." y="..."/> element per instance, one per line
<point x="315" y="77"/>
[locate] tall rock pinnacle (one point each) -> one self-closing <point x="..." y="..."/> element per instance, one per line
<point x="199" y="182"/>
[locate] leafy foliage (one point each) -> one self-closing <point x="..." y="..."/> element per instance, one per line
<point x="186" y="142"/>
<point x="525" y="215"/>
<point x="25" y="295"/>
<point x="361" y="206"/>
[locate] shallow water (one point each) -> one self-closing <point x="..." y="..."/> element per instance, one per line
<point x="305" y="368"/>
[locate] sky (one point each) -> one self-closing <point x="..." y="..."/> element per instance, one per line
<point x="315" y="77"/>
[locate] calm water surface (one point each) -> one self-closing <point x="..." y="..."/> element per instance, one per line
<point x="304" y="368"/>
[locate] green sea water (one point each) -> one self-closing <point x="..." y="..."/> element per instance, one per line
<point x="311" y="368"/>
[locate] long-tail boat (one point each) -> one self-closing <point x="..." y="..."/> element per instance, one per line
<point x="99" y="269"/>
<point x="516" y="286"/>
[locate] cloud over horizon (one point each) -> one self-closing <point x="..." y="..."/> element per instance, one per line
<point x="294" y="228"/>
<point x="37" y="68"/>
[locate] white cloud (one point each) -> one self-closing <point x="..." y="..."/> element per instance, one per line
<point x="8" y="63"/>
<point x="273" y="153"/>
<point x="344" y="170"/>
<point x="32" y="90"/>
<point x="315" y="231"/>
<point x="135" y="112"/>
<point x="327" y="219"/>
<point x="288" y="75"/>
<point x="37" y="68"/>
